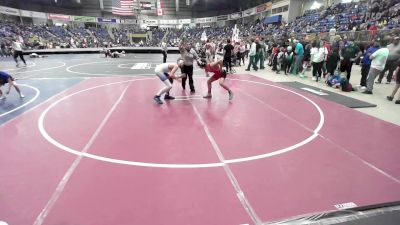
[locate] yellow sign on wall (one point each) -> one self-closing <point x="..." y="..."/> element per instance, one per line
<point x="138" y="35"/>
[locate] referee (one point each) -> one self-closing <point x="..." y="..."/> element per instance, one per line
<point x="17" y="47"/>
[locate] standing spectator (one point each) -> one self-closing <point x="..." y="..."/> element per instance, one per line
<point x="348" y="56"/>
<point x="366" y="64"/>
<point x="332" y="34"/>
<point x="258" y="51"/>
<point x="17" y="47"/>
<point x="392" y="61"/>
<point x="262" y="54"/>
<point x="266" y="50"/>
<point x="210" y="51"/>
<point x="236" y="53"/>
<point x="299" y="51"/>
<point x="328" y="49"/>
<point x="307" y="59"/>
<point x="280" y="58"/>
<point x="274" y="57"/>
<point x="396" y="88"/>
<point x="373" y="30"/>
<point x="3" y="52"/>
<point x="288" y="59"/>
<point x="164" y="50"/>
<point x="378" y="62"/>
<point x="248" y="47"/>
<point x="252" y="55"/>
<point x="197" y="47"/>
<point x="331" y="64"/>
<point x="228" y="51"/>
<point x="318" y="53"/>
<point x="242" y="52"/>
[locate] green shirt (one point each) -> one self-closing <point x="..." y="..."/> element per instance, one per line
<point x="350" y="52"/>
<point x="258" y="47"/>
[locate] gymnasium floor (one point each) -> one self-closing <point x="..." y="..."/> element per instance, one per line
<point x="88" y="146"/>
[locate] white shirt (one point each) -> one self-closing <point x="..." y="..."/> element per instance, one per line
<point x="17" y="46"/>
<point x="380" y="57"/>
<point x="253" y="49"/>
<point x="318" y="54"/>
<point x="242" y="49"/>
<point x="164" y="46"/>
<point x="332" y="32"/>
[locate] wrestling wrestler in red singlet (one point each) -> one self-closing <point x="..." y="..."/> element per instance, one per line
<point x="219" y="74"/>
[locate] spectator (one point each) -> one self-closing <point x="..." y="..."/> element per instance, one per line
<point x="228" y="52"/>
<point x="366" y="64"/>
<point x="242" y="52"/>
<point x="164" y="50"/>
<point x="288" y="60"/>
<point x="318" y="54"/>
<point x="392" y="61"/>
<point x="299" y="51"/>
<point x="258" y="51"/>
<point x="252" y="55"/>
<point x="378" y="62"/>
<point x="262" y="53"/>
<point x="396" y="88"/>
<point x="348" y="56"/>
<point x="332" y="63"/>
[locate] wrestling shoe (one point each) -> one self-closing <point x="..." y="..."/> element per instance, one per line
<point x="230" y="95"/>
<point x="157" y="100"/>
<point x="169" y="97"/>
<point x="207" y="96"/>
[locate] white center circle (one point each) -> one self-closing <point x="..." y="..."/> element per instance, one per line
<point x="165" y="165"/>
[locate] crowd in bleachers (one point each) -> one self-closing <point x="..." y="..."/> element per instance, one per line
<point x="350" y="17"/>
<point x="342" y="17"/>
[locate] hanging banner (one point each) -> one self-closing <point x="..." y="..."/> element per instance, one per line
<point x="261" y="8"/>
<point x="160" y="12"/>
<point x="146" y="5"/>
<point x="168" y="21"/>
<point x="205" y="20"/>
<point x="249" y="12"/>
<point x="138" y="35"/>
<point x="33" y="14"/>
<point x="9" y="11"/>
<point x="211" y="19"/>
<point x="222" y="18"/>
<point x="59" y="17"/>
<point x="106" y="20"/>
<point x="235" y="16"/>
<point x="160" y="8"/>
<point x="184" y="21"/>
<point x="151" y="22"/>
<point x="130" y="21"/>
<point x="199" y="20"/>
<point x="83" y="19"/>
<point x="268" y="5"/>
